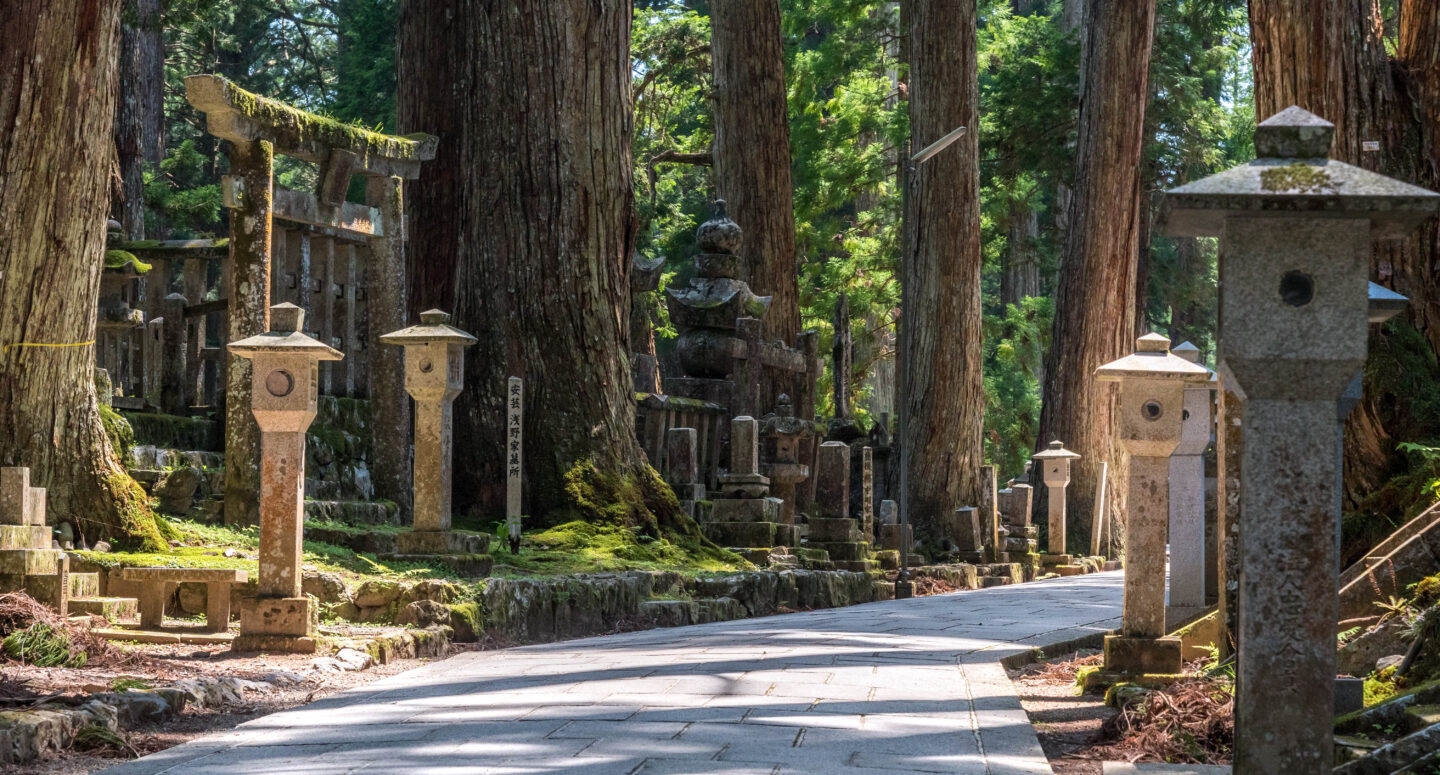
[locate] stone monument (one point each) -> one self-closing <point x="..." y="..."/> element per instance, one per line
<point x="283" y="391"/>
<point x="1295" y="232"/>
<point x="1187" y="491"/>
<point x="1152" y="408"/>
<point x="831" y="527"/>
<point x="434" y="370"/>
<point x="746" y="519"/>
<point x="786" y="440"/>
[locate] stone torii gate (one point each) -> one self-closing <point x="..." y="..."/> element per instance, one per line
<point x="259" y="128"/>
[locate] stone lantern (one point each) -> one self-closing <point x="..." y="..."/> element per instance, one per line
<point x="283" y="390"/>
<point x="434" y="367"/>
<point x="785" y="436"/>
<point x="1187" y="490"/>
<point x="1055" y="465"/>
<point x="1152" y="411"/>
<point x="1295" y="231"/>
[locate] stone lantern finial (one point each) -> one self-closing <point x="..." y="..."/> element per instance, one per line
<point x="286" y="318"/>
<point x="1187" y="351"/>
<point x="1294" y="133"/>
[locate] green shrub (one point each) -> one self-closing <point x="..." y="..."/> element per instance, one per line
<point x="43" y="646"/>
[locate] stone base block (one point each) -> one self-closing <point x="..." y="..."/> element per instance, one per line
<point x="1114" y="565"/>
<point x="890" y="536"/>
<point x="1136" y="656"/>
<point x="112" y="608"/>
<point x="746" y="510"/>
<point x="1349" y="695"/>
<point x="743" y="534"/>
<point x="1025" y="531"/>
<point x="289" y="616"/>
<point x="994" y="581"/>
<point x="1056" y="559"/>
<point x="858" y="566"/>
<point x="1015" y="545"/>
<point x="24" y="537"/>
<point x="744" y="485"/>
<point x="848" y="551"/>
<point x="787" y="535"/>
<point x="889" y="559"/>
<point x="441" y="542"/>
<point x="29" y="562"/>
<point x="285" y="644"/>
<point x="824" y="530"/>
<point x="474" y="566"/>
<point x="1069" y="570"/>
<point x="758" y="556"/>
<point x="689" y="492"/>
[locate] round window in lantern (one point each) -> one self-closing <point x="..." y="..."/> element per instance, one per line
<point x="1151" y="410"/>
<point x="279" y="383"/>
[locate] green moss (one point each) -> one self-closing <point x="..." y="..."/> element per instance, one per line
<point x="1380" y="687"/>
<point x="117" y="428"/>
<point x="584" y="547"/>
<point x="1298" y="177"/>
<point x="1426" y="593"/>
<point x="471" y="615"/>
<point x="170" y="431"/>
<point x="119" y="259"/>
<point x="138" y="525"/>
<point x="309" y="128"/>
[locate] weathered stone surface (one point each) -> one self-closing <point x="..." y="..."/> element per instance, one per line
<point x="328" y="588"/>
<point x="1055" y="468"/>
<point x="826" y="530"/>
<point x="376" y="594"/>
<point x="745" y="510"/>
<point x="1142" y="655"/>
<point x="741" y="534"/>
<point x="832" y="488"/>
<point x="423" y="613"/>
<point x="681" y="461"/>
<point x="176" y="491"/>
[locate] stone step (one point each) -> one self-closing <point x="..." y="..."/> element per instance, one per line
<point x="858" y="566"/>
<point x="740" y="534"/>
<point x="442" y="542"/>
<point x="25" y="537"/>
<point x="848" y="551"/>
<point x="995" y="581"/>
<point x="112" y="608"/>
<point x="353" y="512"/>
<point x="151" y="457"/>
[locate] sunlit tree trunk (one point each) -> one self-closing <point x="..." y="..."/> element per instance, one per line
<point x="941" y="393"/>
<point x="1095" y="297"/>
<point x="57" y="104"/>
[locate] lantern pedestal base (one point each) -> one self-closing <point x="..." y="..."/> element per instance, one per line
<point x="1140" y="656"/>
<point x="285" y="624"/>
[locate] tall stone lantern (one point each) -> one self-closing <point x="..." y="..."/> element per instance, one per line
<point x="1295" y="232"/>
<point x="1055" y="469"/>
<point x="283" y="390"/>
<point x="434" y="368"/>
<point x="1187" y="490"/>
<point x="1152" y="410"/>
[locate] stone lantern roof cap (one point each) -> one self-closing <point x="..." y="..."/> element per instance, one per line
<point x="1190" y="352"/>
<point x="434" y="327"/>
<point x="1294" y="177"/>
<point x="1385" y="303"/>
<point x="285" y="337"/>
<point x="1152" y="359"/>
<point x="1056" y="450"/>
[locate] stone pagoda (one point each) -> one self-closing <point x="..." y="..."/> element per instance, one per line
<point x="785" y="438"/>
<point x="706" y="313"/>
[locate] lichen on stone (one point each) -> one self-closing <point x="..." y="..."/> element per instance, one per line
<point x="119" y="259"/>
<point x="1298" y="177"/>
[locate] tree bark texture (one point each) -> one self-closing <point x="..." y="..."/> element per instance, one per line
<point x="1095" y="294"/>
<point x="1021" y="277"/>
<point x="941" y="391"/>
<point x="139" y="109"/>
<point x="535" y="213"/>
<point x="57" y="104"/>
<point x="1329" y="57"/>
<point x="752" y="153"/>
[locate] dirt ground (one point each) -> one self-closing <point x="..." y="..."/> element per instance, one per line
<point x="1069" y="725"/>
<point x="164" y="664"/>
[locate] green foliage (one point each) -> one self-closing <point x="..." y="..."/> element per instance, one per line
<point x="43" y="646"/>
<point x="1014" y="352"/>
<point x="579" y="547"/>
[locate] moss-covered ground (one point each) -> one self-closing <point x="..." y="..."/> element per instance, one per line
<point x="574" y="547"/>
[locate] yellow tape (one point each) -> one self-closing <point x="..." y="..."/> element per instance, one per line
<point x="44" y="344"/>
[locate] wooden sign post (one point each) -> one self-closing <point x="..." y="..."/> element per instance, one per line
<point x="514" y="456"/>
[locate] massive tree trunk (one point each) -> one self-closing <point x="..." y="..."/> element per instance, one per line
<point x="1329" y="58"/>
<point x="139" y="109"/>
<point x="941" y="392"/>
<point x="530" y="201"/>
<point x="57" y="104"/>
<point x="752" y="152"/>
<point x="1095" y="297"/>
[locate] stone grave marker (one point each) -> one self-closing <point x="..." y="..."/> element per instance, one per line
<point x="1055" y="468"/>
<point x="1187" y="491"/>
<point x="514" y="458"/>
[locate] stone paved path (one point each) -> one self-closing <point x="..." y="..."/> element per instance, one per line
<point x="893" y="687"/>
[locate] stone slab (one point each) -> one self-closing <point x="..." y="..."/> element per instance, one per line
<point x="441" y="542"/>
<point x="1138" y="656"/>
<point x="175" y="575"/>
